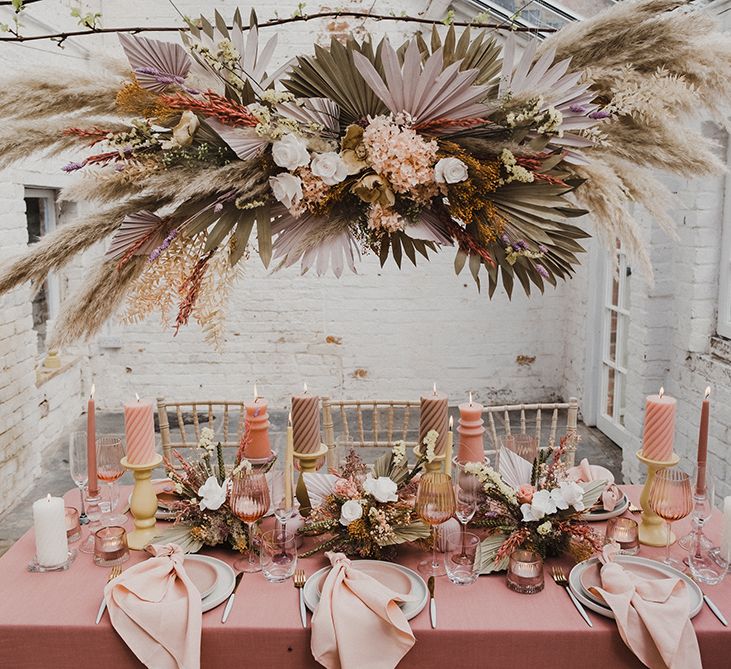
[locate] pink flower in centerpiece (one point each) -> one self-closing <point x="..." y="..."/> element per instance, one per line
<point x="346" y="488"/>
<point x="525" y="493"/>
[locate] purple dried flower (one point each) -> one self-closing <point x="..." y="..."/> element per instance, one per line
<point x="542" y="270"/>
<point x="160" y="77"/>
<point x="218" y="207"/>
<point x="599" y="114"/>
<point x="165" y="243"/>
<point x="72" y="167"/>
<point x="119" y="167"/>
<point x="520" y="245"/>
<point x="505" y="239"/>
<point x="577" y="109"/>
<point x="542" y="248"/>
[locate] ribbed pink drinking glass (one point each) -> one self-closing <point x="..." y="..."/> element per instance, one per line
<point x="249" y="501"/>
<point x="671" y="498"/>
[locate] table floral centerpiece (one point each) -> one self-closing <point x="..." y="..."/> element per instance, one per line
<point x="203" y="483"/>
<point x="545" y="514"/>
<point x="368" y="513"/>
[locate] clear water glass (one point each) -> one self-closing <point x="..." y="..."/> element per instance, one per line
<point x="278" y="555"/>
<point x="463" y="557"/>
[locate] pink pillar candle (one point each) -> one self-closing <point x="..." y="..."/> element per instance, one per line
<point x="659" y="430"/>
<point x="306" y="423"/>
<point x="434" y="416"/>
<point x="470" y="428"/>
<point x="703" y="443"/>
<point x="139" y="428"/>
<point x="258" y="446"/>
<point x="91" y="446"/>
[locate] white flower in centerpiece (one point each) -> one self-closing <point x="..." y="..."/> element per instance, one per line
<point x="430" y="442"/>
<point x="541" y="505"/>
<point x="287" y="188"/>
<point x="573" y="495"/>
<point x="206" y="439"/>
<point x="383" y="489"/>
<point x="450" y="170"/>
<point x="399" y="453"/>
<point x="291" y="152"/>
<point x="350" y="511"/>
<point x="213" y="494"/>
<point x="544" y="528"/>
<point x="330" y="167"/>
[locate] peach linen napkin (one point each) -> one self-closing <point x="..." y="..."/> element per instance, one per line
<point x="584" y="474"/>
<point x="358" y="623"/>
<point x="156" y="609"/>
<point x="653" y="615"/>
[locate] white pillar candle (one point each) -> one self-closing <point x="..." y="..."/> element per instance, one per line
<point x="49" y="524"/>
<point x="726" y="530"/>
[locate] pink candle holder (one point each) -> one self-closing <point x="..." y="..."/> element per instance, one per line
<point x="73" y="527"/>
<point x="625" y="532"/>
<point x="525" y="572"/>
<point x="110" y="546"/>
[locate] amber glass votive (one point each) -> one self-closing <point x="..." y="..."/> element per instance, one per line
<point x="110" y="546"/>
<point x="625" y="532"/>
<point x="525" y="572"/>
<point x="73" y="528"/>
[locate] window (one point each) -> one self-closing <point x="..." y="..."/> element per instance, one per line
<point x="724" y="280"/>
<point x="40" y="214"/>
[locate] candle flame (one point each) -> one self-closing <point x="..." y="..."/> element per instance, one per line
<point x="434" y="390"/>
<point x="451" y="423"/>
<point x="470" y="398"/>
<point x="662" y="392"/>
<point x="304" y="385"/>
<point x="256" y="393"/>
<point x="289" y="420"/>
<point x="48" y="497"/>
<point x="707" y="394"/>
<point x="93" y="388"/>
<point x="137" y="396"/>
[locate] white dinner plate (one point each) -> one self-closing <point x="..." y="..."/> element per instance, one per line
<point x="694" y="592"/>
<point x="224" y="583"/>
<point x="410" y="609"/>
<point x="618" y="510"/>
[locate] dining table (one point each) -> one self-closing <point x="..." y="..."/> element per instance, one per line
<point x="47" y="619"/>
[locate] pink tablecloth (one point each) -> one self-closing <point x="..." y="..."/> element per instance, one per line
<point x="47" y="620"/>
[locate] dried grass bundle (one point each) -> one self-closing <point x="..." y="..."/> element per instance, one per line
<point x="96" y="301"/>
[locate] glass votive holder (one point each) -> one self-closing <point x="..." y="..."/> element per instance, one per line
<point x="462" y="557"/>
<point x="278" y="554"/>
<point x="73" y="528"/>
<point x="110" y="546"/>
<point x="525" y="572"/>
<point x="625" y="532"/>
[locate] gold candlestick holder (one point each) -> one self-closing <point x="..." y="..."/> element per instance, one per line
<point x="143" y="504"/>
<point x="652" y="527"/>
<point x="307" y="464"/>
<point x="436" y="465"/>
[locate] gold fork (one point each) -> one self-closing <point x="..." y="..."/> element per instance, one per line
<point x="116" y="571"/>
<point x="633" y="508"/>
<point x="559" y="577"/>
<point x="299" y="582"/>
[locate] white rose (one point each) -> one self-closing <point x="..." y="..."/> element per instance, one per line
<point x="287" y="188"/>
<point x="541" y="505"/>
<point x="330" y="167"/>
<point x="350" y="511"/>
<point x="213" y="494"/>
<point x="450" y="170"/>
<point x="573" y="495"/>
<point x="382" y="489"/>
<point x="290" y="152"/>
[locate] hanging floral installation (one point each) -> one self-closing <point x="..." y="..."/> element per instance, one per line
<point x="450" y="139"/>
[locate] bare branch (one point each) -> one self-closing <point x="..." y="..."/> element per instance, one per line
<point x="268" y="24"/>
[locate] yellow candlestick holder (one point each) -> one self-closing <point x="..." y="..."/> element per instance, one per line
<point x="307" y="464"/>
<point x="438" y="464"/>
<point x="143" y="504"/>
<point x="652" y="528"/>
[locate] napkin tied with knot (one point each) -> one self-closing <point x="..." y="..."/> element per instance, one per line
<point x="653" y="615"/>
<point x="358" y="623"/>
<point x="156" y="609"/>
<point x="584" y="474"/>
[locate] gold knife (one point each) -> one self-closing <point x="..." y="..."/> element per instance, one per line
<point x="432" y="603"/>
<point x="231" y="597"/>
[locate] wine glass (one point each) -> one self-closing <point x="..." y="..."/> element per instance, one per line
<point x="466" y="502"/>
<point x="703" y="496"/>
<point x="109" y="453"/>
<point x="78" y="468"/>
<point x="249" y="502"/>
<point x="282" y="497"/>
<point x="671" y="498"/>
<point x="435" y="504"/>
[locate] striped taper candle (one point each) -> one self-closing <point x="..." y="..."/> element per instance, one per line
<point x="306" y="422"/>
<point x="139" y="428"/>
<point x="434" y="416"/>
<point x="659" y="430"/>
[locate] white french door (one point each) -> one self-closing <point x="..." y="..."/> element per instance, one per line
<point x="615" y="312"/>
